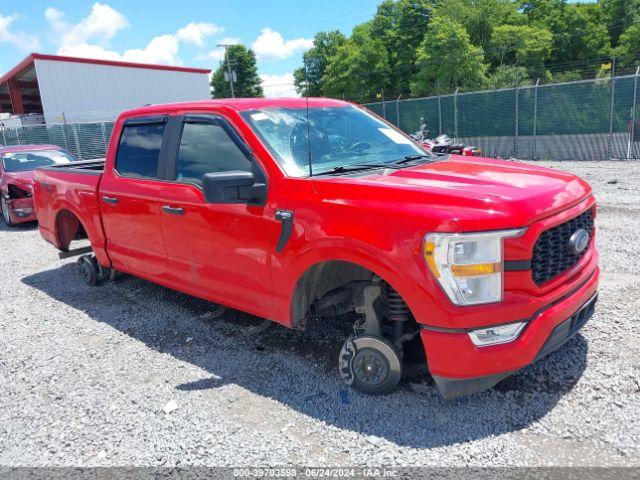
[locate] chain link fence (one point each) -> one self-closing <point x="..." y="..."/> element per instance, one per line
<point x="85" y="141"/>
<point x="581" y="120"/>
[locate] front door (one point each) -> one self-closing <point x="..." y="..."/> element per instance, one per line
<point x="217" y="251"/>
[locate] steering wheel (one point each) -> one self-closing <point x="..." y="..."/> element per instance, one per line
<point x="359" y="147"/>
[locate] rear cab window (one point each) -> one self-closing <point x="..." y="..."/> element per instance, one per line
<point x="138" y="153"/>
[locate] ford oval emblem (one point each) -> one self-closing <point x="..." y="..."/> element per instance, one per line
<point x="579" y="241"/>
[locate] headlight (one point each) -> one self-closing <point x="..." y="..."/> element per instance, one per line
<point x="19" y="192"/>
<point x="468" y="265"/>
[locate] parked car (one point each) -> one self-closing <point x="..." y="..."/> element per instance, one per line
<point x="17" y="164"/>
<point x="300" y="210"/>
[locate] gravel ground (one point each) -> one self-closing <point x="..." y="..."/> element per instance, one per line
<point x="130" y="373"/>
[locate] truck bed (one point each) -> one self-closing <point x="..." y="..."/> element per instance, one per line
<point x="66" y="202"/>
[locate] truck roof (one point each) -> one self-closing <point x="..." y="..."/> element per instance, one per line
<point x="240" y="104"/>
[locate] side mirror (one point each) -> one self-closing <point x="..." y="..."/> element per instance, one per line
<point x="234" y="187"/>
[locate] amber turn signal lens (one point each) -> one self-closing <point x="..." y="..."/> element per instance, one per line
<point x="429" y="250"/>
<point x="475" y="270"/>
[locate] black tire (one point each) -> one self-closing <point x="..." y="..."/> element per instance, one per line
<point x="90" y="270"/>
<point x="370" y="364"/>
<point x="5" y="212"/>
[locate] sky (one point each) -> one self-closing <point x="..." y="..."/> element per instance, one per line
<point x="176" y="33"/>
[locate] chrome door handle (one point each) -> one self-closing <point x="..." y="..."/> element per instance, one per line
<point x="173" y="210"/>
<point x="111" y="200"/>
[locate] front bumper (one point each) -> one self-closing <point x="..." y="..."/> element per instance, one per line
<point x="461" y="368"/>
<point x="21" y="210"/>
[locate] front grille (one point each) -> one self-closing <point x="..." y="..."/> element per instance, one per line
<point x="551" y="255"/>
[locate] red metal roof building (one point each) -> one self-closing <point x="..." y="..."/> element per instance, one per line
<point x="81" y="89"/>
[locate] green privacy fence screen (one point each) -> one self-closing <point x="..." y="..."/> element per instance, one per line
<point x="582" y="120"/>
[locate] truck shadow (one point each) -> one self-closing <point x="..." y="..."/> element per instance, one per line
<point x="19" y="227"/>
<point x="298" y="369"/>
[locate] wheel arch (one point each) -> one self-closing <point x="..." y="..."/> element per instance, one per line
<point x="325" y="274"/>
<point x="319" y="279"/>
<point x="68" y="226"/>
<point x="68" y="221"/>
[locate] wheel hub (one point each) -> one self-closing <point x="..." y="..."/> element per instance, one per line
<point x="370" y="364"/>
<point x="370" y="367"/>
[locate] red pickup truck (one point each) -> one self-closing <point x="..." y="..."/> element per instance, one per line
<point x="313" y="209"/>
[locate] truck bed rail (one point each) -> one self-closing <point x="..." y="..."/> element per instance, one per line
<point x="90" y="167"/>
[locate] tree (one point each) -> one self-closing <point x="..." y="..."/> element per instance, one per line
<point x="480" y="17"/>
<point x="447" y="55"/>
<point x="567" y="76"/>
<point x="585" y="36"/>
<point x="308" y="78"/>
<point x="359" y="69"/>
<point x="579" y="30"/>
<point x="541" y="10"/>
<point x="521" y="45"/>
<point x="549" y="15"/>
<point x="471" y="43"/>
<point x="628" y="49"/>
<point x="248" y="83"/>
<point x="401" y="26"/>
<point x="507" y="76"/>
<point x="619" y="15"/>
<point x="580" y="38"/>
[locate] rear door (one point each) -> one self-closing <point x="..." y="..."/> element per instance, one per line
<point x="131" y="199"/>
<point x="216" y="251"/>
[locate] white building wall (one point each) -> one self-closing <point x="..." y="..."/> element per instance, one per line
<point x="85" y="92"/>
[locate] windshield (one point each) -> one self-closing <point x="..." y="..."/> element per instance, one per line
<point x="26" y="161"/>
<point x="333" y="137"/>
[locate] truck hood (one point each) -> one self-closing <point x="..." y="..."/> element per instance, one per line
<point x="499" y="193"/>
<point x="20" y="177"/>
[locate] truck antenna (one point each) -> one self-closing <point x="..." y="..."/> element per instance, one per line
<point x="306" y="97"/>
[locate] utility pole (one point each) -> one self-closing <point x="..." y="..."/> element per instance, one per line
<point x="535" y="119"/>
<point x="516" y="115"/>
<point x="632" y="133"/>
<point x="226" y="54"/>
<point x="612" y="107"/>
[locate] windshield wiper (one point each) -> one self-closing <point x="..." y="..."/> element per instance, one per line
<point x="354" y="167"/>
<point x="411" y="158"/>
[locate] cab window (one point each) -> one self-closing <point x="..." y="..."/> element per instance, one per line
<point x="139" y="150"/>
<point x="207" y="148"/>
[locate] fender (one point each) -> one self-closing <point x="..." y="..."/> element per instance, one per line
<point x="286" y="276"/>
<point x="90" y="221"/>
